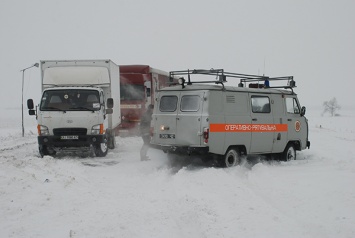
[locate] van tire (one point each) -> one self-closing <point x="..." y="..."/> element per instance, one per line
<point x="231" y="158"/>
<point x="101" y="150"/>
<point x="289" y="153"/>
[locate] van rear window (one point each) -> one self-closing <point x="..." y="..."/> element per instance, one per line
<point x="168" y="103"/>
<point x="190" y="103"/>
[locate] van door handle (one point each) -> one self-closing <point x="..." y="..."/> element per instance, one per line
<point x="289" y="119"/>
<point x="177" y="118"/>
<point x="254" y="119"/>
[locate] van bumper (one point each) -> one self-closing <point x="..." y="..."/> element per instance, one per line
<point x="81" y="141"/>
<point x="189" y="150"/>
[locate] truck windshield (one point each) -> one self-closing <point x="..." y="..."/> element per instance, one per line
<point x="70" y="100"/>
<point x="132" y="92"/>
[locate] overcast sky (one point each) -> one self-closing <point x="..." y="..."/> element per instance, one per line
<point x="311" y="40"/>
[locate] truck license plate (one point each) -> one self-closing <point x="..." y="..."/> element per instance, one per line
<point x="69" y="137"/>
<point x="167" y="136"/>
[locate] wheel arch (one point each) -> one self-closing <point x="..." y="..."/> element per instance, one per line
<point x="241" y="149"/>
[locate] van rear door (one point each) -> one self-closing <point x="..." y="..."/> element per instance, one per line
<point x="188" y="120"/>
<point x="164" y="119"/>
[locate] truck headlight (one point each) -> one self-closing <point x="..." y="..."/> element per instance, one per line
<point x="42" y="130"/>
<point x="97" y="129"/>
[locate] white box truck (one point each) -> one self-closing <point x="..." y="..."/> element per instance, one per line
<point x="80" y="106"/>
<point x="226" y="122"/>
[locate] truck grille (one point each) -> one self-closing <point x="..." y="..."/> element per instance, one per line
<point x="69" y="131"/>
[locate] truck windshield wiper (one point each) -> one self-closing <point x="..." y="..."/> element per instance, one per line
<point x="53" y="108"/>
<point x="83" y="108"/>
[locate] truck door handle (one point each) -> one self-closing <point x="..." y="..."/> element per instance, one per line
<point x="254" y="119"/>
<point x="289" y="119"/>
<point x="177" y="118"/>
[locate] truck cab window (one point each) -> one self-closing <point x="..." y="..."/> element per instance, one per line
<point x="260" y="104"/>
<point x="292" y="106"/>
<point x="70" y="100"/>
<point x="168" y="103"/>
<point x="190" y="103"/>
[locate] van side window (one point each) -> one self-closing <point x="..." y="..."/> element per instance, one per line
<point x="168" y="103"/>
<point x="260" y="104"/>
<point x="190" y="103"/>
<point x="292" y="106"/>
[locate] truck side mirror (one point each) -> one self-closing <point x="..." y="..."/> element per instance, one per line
<point x="110" y="103"/>
<point x="303" y="111"/>
<point x="109" y="111"/>
<point x="31" y="112"/>
<point x="30" y="104"/>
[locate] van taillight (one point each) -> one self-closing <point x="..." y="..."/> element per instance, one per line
<point x="206" y="133"/>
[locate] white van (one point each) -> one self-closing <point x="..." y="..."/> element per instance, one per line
<point x="226" y="122"/>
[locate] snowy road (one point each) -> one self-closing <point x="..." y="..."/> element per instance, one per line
<point x="120" y="196"/>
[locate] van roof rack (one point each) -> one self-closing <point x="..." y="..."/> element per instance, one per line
<point x="221" y="78"/>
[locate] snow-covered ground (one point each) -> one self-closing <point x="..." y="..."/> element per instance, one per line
<point x="120" y="196"/>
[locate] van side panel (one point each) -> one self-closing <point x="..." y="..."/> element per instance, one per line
<point x="215" y="115"/>
<point x="237" y="115"/>
<point x="230" y="122"/>
<point x="279" y="114"/>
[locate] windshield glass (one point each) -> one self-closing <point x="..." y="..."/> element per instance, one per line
<point x="70" y="100"/>
<point x="132" y="92"/>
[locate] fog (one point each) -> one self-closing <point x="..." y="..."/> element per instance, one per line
<point x="312" y="41"/>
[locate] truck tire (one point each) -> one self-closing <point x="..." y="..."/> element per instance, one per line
<point x="111" y="144"/>
<point x="231" y="158"/>
<point x="43" y="150"/>
<point x="289" y="153"/>
<point x="101" y="150"/>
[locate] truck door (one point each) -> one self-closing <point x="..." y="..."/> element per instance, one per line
<point x="262" y="124"/>
<point x="188" y="120"/>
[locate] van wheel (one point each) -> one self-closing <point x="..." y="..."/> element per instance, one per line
<point x="101" y="150"/>
<point x="289" y="153"/>
<point x="231" y="158"/>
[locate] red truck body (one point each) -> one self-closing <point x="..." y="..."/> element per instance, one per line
<point x="138" y="84"/>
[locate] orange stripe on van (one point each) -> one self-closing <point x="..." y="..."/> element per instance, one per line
<point x="248" y="128"/>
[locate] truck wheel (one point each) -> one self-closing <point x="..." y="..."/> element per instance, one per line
<point x="101" y="150"/>
<point x="111" y="142"/>
<point x="43" y="150"/>
<point x="231" y="158"/>
<point x="289" y="153"/>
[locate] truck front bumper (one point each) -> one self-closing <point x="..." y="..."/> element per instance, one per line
<point x="80" y="141"/>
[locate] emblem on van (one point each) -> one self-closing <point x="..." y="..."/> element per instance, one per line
<point x="297" y="126"/>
